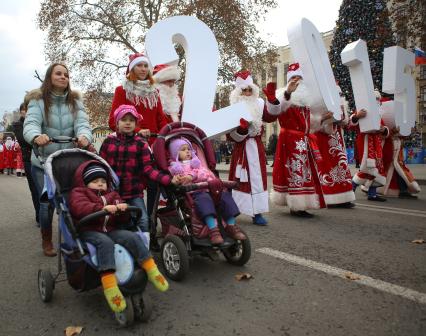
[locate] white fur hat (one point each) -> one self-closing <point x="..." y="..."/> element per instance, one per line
<point x="294" y="70"/>
<point x="243" y="79"/>
<point x="165" y="72"/>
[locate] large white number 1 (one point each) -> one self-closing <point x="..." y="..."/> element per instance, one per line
<point x="355" y="57"/>
<point x="202" y="60"/>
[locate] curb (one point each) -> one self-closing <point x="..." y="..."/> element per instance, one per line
<point x="221" y="170"/>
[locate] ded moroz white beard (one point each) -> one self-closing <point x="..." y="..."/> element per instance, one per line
<point x="301" y="97"/>
<point x="170" y="100"/>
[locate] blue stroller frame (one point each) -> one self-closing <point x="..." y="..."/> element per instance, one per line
<point x="80" y="258"/>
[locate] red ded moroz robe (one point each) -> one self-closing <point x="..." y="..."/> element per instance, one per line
<point x="334" y="173"/>
<point x="295" y="176"/>
<point x="393" y="161"/>
<point x="248" y="166"/>
<point x="369" y="147"/>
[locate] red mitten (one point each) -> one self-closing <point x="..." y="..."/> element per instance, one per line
<point x="244" y="124"/>
<point x="243" y="127"/>
<point x="269" y="91"/>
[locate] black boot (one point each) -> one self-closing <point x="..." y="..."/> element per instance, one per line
<point x="301" y="213"/>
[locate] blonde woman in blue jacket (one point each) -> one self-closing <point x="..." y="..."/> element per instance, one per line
<point x="53" y="109"/>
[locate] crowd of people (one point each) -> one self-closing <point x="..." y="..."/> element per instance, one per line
<point x="11" y="161"/>
<point x="310" y="168"/>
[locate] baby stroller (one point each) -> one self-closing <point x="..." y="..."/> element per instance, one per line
<point x="80" y="258"/>
<point x="184" y="234"/>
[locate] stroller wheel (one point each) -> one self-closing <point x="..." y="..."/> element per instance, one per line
<point x="142" y="307"/>
<point x="174" y="257"/>
<point x="239" y="253"/>
<point x="46" y="284"/>
<point x="127" y="316"/>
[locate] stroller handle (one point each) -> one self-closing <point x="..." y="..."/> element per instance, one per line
<point x="205" y="185"/>
<point x="61" y="139"/>
<point x="102" y="213"/>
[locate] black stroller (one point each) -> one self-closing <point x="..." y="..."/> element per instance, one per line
<point x="184" y="234"/>
<point x="80" y="259"/>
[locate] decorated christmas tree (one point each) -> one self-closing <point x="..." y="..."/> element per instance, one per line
<point x="367" y="20"/>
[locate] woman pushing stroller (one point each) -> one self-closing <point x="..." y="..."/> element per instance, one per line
<point x="187" y="167"/>
<point x="92" y="193"/>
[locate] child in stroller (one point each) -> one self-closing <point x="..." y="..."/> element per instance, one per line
<point x="80" y="260"/>
<point x="182" y="228"/>
<point x="186" y="165"/>
<point x="92" y="193"/>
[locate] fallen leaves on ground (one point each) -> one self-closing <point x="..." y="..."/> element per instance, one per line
<point x="73" y="331"/>
<point x="351" y="276"/>
<point x="243" y="276"/>
<point x="418" y="241"/>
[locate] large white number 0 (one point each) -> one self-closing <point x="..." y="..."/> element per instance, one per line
<point x="202" y="60"/>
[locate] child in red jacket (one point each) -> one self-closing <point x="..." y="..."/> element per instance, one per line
<point x="92" y="193"/>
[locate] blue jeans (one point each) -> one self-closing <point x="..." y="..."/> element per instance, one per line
<point x="104" y="243"/>
<point x="33" y="189"/>
<point x="46" y="208"/>
<point x="143" y="222"/>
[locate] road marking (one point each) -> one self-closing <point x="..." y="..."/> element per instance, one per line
<point x="341" y="273"/>
<point x="391" y="208"/>
<point x="399" y="211"/>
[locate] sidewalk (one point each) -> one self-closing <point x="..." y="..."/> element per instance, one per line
<point x="418" y="170"/>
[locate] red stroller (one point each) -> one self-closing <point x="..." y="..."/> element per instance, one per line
<point x="183" y="233"/>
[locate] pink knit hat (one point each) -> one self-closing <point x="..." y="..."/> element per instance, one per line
<point x="122" y="110"/>
<point x="174" y="147"/>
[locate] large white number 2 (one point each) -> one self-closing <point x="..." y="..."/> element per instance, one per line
<point x="202" y="60"/>
<point x="397" y="79"/>
<point x="309" y="50"/>
<point x="355" y="57"/>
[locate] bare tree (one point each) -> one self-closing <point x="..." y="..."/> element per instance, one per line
<point x="98" y="106"/>
<point x="96" y="36"/>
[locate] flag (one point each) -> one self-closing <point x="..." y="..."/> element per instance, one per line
<point x="420" y="56"/>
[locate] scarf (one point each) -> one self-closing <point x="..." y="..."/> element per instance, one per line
<point x="141" y="92"/>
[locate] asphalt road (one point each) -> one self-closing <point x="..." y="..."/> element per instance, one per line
<point x="300" y="282"/>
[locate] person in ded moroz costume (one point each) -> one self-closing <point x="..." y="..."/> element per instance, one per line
<point x="371" y="174"/>
<point x="248" y="162"/>
<point x="165" y="78"/>
<point x="334" y="173"/>
<point x="295" y="176"/>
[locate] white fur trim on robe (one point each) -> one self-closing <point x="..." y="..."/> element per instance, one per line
<point x="344" y="197"/>
<point x="296" y="202"/>
<point x="278" y="109"/>
<point x="257" y="201"/>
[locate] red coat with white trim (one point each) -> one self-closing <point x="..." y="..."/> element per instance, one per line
<point x="334" y="173"/>
<point x="369" y="147"/>
<point x="295" y="176"/>
<point x="394" y="165"/>
<point x="248" y="166"/>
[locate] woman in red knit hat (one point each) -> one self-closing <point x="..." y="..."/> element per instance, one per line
<point x="138" y="89"/>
